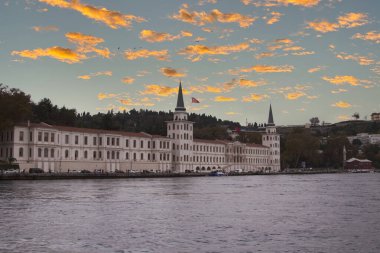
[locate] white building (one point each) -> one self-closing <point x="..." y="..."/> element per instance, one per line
<point x="63" y="149"/>
<point x="365" y="138"/>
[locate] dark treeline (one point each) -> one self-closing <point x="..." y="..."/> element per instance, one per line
<point x="16" y="106"/>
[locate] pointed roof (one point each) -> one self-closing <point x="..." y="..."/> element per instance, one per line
<point x="180" y="104"/>
<point x="270" y="118"/>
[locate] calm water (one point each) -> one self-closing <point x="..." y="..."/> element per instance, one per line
<point x="313" y="213"/>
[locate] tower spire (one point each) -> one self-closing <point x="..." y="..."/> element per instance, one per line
<point x="180" y="104"/>
<point x="270" y="118"/>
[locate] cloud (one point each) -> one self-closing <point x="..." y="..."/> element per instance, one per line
<point x="195" y="52"/>
<point x="275" y="17"/>
<point x="250" y="83"/>
<point x="127" y="80"/>
<point x="348" y="20"/>
<point x="49" y="28"/>
<point x="66" y="55"/>
<point x="254" y="97"/>
<point x="213" y="89"/>
<point x="371" y="36"/>
<point x="344" y="117"/>
<point x="340" y="80"/>
<point x="294" y="48"/>
<point x="342" y="104"/>
<point x="152" y="36"/>
<point x="101" y="73"/>
<point x="294" y="95"/>
<point x="338" y="91"/>
<point x="159" y="90"/>
<point x="276" y="3"/>
<point x="268" y="69"/>
<point x="161" y="55"/>
<point x="316" y="69"/>
<point x="136" y="102"/>
<point x="224" y="99"/>
<point x="361" y="60"/>
<point x="170" y="72"/>
<point x="202" y="18"/>
<point x="112" y="19"/>
<point x="303" y="53"/>
<point x="233" y="113"/>
<point x="87" y="43"/>
<point x="102" y="96"/>
<point x="265" y="55"/>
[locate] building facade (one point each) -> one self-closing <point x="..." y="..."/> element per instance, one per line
<point x="64" y="149"/>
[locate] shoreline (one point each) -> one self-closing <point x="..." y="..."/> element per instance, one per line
<point x="64" y="176"/>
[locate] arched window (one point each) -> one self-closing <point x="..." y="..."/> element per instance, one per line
<point x="66" y="153"/>
<point x="46" y="152"/>
<point x="21" y="152"/>
<point x="126" y="156"/>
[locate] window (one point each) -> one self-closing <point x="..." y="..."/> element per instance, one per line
<point x="46" y="137"/>
<point x="76" y="154"/>
<point x="153" y="157"/>
<point x="52" y="137"/>
<point x="21" y="152"/>
<point x="141" y="144"/>
<point x="148" y="157"/>
<point x="108" y="155"/>
<point x="100" y="155"/>
<point x="46" y="152"/>
<point x="148" y="144"/>
<point x="76" y="139"/>
<point x="113" y="155"/>
<point x="108" y="141"/>
<point x="39" y="152"/>
<point x="154" y="144"/>
<point x="30" y="136"/>
<point x="100" y="141"/>
<point x="127" y="156"/>
<point x="94" y="155"/>
<point x="94" y="141"/>
<point x="52" y="153"/>
<point x="127" y="143"/>
<point x="21" y="136"/>
<point x="66" y="153"/>
<point x="142" y="156"/>
<point x="117" y="141"/>
<point x="85" y="140"/>
<point x="39" y="136"/>
<point x="113" y="141"/>
<point x="85" y="154"/>
<point x="30" y="152"/>
<point x="134" y="143"/>
<point x="66" y="139"/>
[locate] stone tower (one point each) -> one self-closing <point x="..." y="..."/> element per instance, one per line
<point x="180" y="130"/>
<point x="272" y="140"/>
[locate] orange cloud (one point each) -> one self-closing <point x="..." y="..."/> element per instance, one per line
<point x="171" y="72"/>
<point x="250" y="83"/>
<point x="87" y="43"/>
<point x="276" y="3"/>
<point x="255" y="97"/>
<point x="268" y="69"/>
<point x="128" y="80"/>
<point x="275" y="18"/>
<point x="342" y="104"/>
<point x="294" y="48"/>
<point x="371" y="36"/>
<point x="224" y="99"/>
<point x="113" y="19"/>
<point x="340" y="80"/>
<point x="66" y="55"/>
<point x="316" y="69"/>
<point x="202" y="18"/>
<point x="348" y="20"/>
<point x="303" y="53"/>
<point x="101" y="73"/>
<point x="362" y="60"/>
<point x="294" y="95"/>
<point x="158" y="90"/>
<point x="49" y="28"/>
<point x="102" y="96"/>
<point x="194" y="52"/>
<point x="161" y="55"/>
<point x="264" y="55"/>
<point x="152" y="36"/>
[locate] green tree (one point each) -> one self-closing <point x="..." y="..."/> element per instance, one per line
<point x="15" y="106"/>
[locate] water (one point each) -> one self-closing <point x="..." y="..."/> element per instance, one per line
<point x="300" y="213"/>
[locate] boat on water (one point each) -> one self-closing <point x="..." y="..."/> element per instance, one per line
<point x="216" y="174"/>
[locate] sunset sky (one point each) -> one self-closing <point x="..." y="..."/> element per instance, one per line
<point x="308" y="58"/>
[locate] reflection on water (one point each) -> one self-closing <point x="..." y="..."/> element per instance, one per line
<point x="313" y="213"/>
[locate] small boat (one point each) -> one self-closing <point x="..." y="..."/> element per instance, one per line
<point x="216" y="174"/>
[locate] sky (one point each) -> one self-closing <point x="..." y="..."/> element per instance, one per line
<point x="308" y="58"/>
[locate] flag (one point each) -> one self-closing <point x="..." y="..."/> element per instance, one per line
<point x="194" y="100"/>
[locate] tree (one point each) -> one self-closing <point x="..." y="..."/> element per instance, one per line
<point x="356" y="115"/>
<point x="314" y="121"/>
<point x="333" y="151"/>
<point x="15" y="106"/>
